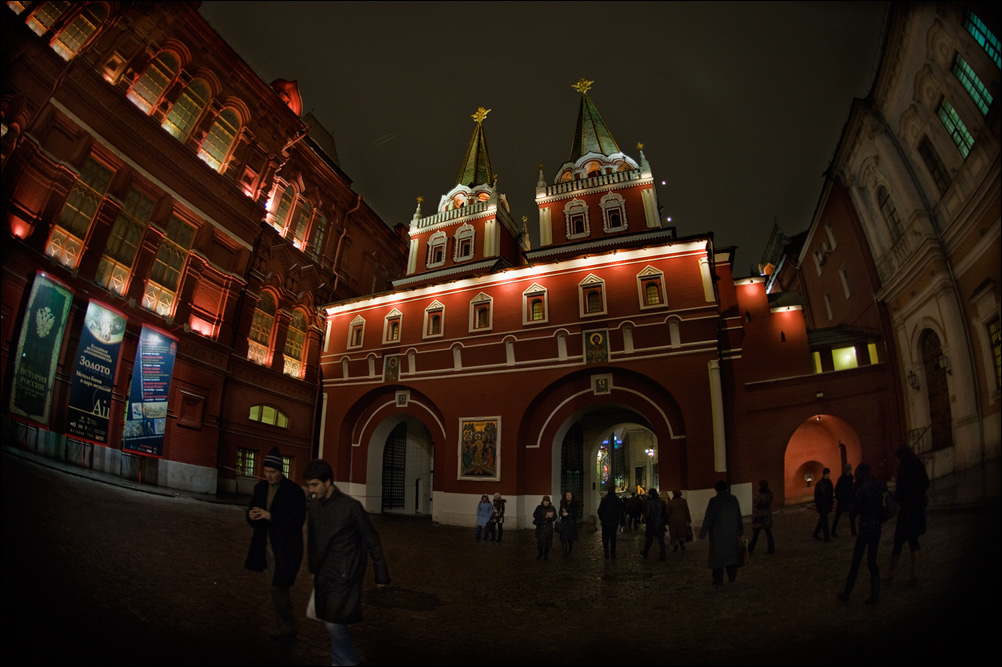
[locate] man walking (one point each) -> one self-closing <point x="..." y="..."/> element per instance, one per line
<point x="723" y="524"/>
<point x="339" y="538"/>
<point x="277" y="512"/>
<point x="824" y="500"/>
<point x="610" y="513"/>
<point x="843" y="496"/>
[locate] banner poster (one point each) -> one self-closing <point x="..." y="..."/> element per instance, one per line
<point x="94" y="377"/>
<point x="38" y="348"/>
<point x="146" y="410"/>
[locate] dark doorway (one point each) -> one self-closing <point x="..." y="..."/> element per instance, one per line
<point x="394" y="468"/>
<point x="938" y="390"/>
<point x="572" y="462"/>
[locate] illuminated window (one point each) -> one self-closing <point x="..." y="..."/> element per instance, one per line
<point x="356" y="332"/>
<point x="576" y="219"/>
<point x="47" y="13"/>
<point x="294" y="344"/>
<point x="218" y="142"/>
<point x="148" y="89"/>
<point x="972" y="84"/>
<point x="74" y="36"/>
<point x="246" y="457"/>
<point x="871" y="349"/>
<point x="591" y="293"/>
<point x="187" y="110"/>
<point x="317" y="235"/>
<point x="481" y="313"/>
<point x="464" y="243"/>
<point x="650" y="282"/>
<point x="269" y="414"/>
<point x="301" y="223"/>
<point x="955" y="126"/>
<point x="534" y="305"/>
<point x="280" y="219"/>
<point x="161" y="288"/>
<point x="889" y="211"/>
<point x="816" y="361"/>
<point x="844" y="358"/>
<point x="436" y="249"/>
<point x="985" y="37"/>
<point x="120" y="251"/>
<point x="613" y="213"/>
<point x="434" y="318"/>
<point x="262" y="325"/>
<point x="934" y="165"/>
<point x="391" y="327"/>
<point x="17" y="7"/>
<point x="69" y="233"/>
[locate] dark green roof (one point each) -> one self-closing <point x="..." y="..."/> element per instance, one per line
<point x="591" y="134"/>
<point x="476" y="168"/>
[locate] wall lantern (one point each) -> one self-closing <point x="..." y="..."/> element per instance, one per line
<point x="913" y="380"/>
<point x="944" y="363"/>
<point x="819" y="395"/>
<point x="808" y="477"/>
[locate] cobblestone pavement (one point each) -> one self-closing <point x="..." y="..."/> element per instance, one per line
<point x="95" y="573"/>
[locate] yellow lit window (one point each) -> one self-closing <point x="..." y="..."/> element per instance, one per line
<point x="187" y="110"/>
<point x="126" y="233"/>
<point x="68" y="235"/>
<point x="844" y="358"/>
<point x="161" y="288"/>
<point x="151" y="85"/>
<point x="294" y="343"/>
<point x="73" y="37"/>
<point x="218" y="142"/>
<point x="259" y="339"/>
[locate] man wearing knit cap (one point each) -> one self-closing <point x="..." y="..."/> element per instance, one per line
<point x="277" y="513"/>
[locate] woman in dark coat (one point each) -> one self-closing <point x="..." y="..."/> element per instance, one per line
<point x="655" y="522"/>
<point x="913" y="482"/>
<point x="724" y="526"/>
<point x="570" y="514"/>
<point x="762" y="518"/>
<point x="543" y="519"/>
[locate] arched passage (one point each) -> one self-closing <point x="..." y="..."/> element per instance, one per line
<point x="822" y="441"/>
<point x="399" y="467"/>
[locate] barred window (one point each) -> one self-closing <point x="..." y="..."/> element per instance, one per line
<point x="187" y="110"/>
<point x="955" y="126"/>
<point x="218" y="142"/>
<point x="73" y="37"/>
<point x="148" y="89"/>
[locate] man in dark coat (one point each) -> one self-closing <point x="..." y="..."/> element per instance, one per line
<point x="723" y="524"/>
<point x="910" y="492"/>
<point x="610" y="512"/>
<point x="867" y="504"/>
<point x="655" y="523"/>
<point x="824" y="501"/>
<point x="843" y="495"/>
<point x="277" y="512"/>
<point x="340" y="539"/>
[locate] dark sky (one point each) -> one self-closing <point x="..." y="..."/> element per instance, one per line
<point x="739" y="105"/>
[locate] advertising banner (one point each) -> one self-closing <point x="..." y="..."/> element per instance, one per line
<point x="146" y="410"/>
<point x="38" y="348"/>
<point x="94" y="377"/>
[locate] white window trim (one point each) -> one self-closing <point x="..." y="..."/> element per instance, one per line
<point x="591" y="281"/>
<point x="613" y="202"/>
<point x="647" y="273"/>
<point x="574" y="207"/>
<point x="535" y="290"/>
<point x="434" y="307"/>
<point x="393" y="316"/>
<point x="476" y="301"/>
<point x="465" y="232"/>
<point x="437" y="239"/>
<point x="359" y="320"/>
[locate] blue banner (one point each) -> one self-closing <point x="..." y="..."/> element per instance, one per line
<point x="146" y="410"/>
<point x="38" y="348"/>
<point x="94" y="377"/>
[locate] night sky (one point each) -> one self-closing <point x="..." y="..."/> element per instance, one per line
<point x="739" y="105"/>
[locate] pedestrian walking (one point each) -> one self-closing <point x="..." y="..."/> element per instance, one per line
<point x="496" y="524"/>
<point x="610" y="514"/>
<point x="339" y="539"/>
<point x="867" y="504"/>
<point x="276" y="513"/>
<point x="679" y="522"/>
<point x="910" y="492"/>
<point x="843" y="496"/>
<point x="543" y="519"/>
<point x="824" y="500"/>
<point x="570" y="515"/>
<point x="484" y="509"/>
<point x="762" y="517"/>
<point x="656" y="523"/>
<point x="722" y="523"/>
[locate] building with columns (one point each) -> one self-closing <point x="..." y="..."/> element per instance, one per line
<point x="149" y="173"/>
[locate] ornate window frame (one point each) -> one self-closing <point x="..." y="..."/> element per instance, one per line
<point x="613" y="205"/>
<point x="646" y="280"/>
<point x="356" y="332"/>
<point x="589" y="304"/>
<point x="436" y="250"/>
<point x="465" y="242"/>
<point x="535" y="295"/>
<point x="392" y="325"/>
<point x="576" y="216"/>
<point x="435" y="312"/>
<point x="481" y="313"/>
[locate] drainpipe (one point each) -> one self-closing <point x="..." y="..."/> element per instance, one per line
<point x="337" y="253"/>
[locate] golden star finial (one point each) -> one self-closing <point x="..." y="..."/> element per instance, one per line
<point x="582" y="86"/>
<point x="420" y="199"/>
<point x="640" y="146"/>
<point x="480" y="115"/>
<point x="525" y="219"/>
<point x="540" y="165"/>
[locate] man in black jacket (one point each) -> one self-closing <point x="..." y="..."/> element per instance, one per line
<point x="339" y="536"/>
<point x="824" y="500"/>
<point x="277" y="512"/>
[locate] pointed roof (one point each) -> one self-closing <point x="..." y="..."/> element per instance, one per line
<point x="476" y="168"/>
<point x="591" y="134"/>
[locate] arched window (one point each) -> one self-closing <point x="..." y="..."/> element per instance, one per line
<point x="187" y="110"/>
<point x="318" y="235"/>
<point x="79" y="31"/>
<point x="534" y="304"/>
<point x="165" y="276"/>
<point x="218" y="142"/>
<point x="465" y="238"/>
<point x="302" y="222"/>
<point x="280" y="220"/>
<point x="436" y="249"/>
<point x="148" y="89"/>
<point x="294" y="344"/>
<point x="123" y="243"/>
<point x="68" y="235"/>
<point x="269" y="414"/>
<point x="259" y="339"/>
<point x="47" y="14"/>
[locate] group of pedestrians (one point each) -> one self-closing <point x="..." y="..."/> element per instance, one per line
<point x="490" y="518"/>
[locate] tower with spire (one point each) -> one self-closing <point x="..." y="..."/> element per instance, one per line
<point x="472" y="231"/>
<point x="599" y="196"/>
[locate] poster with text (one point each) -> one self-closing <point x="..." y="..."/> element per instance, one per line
<point x="146" y="410"/>
<point x="38" y="348"/>
<point x="94" y="377"/>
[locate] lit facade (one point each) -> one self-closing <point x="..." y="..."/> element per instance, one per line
<point x="146" y="167"/>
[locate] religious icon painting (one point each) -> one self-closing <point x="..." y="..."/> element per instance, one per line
<point x="391" y="368"/>
<point x="402" y="398"/>
<point x="596" y="346"/>
<point x="601" y="384"/>
<point x="479" y="448"/>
